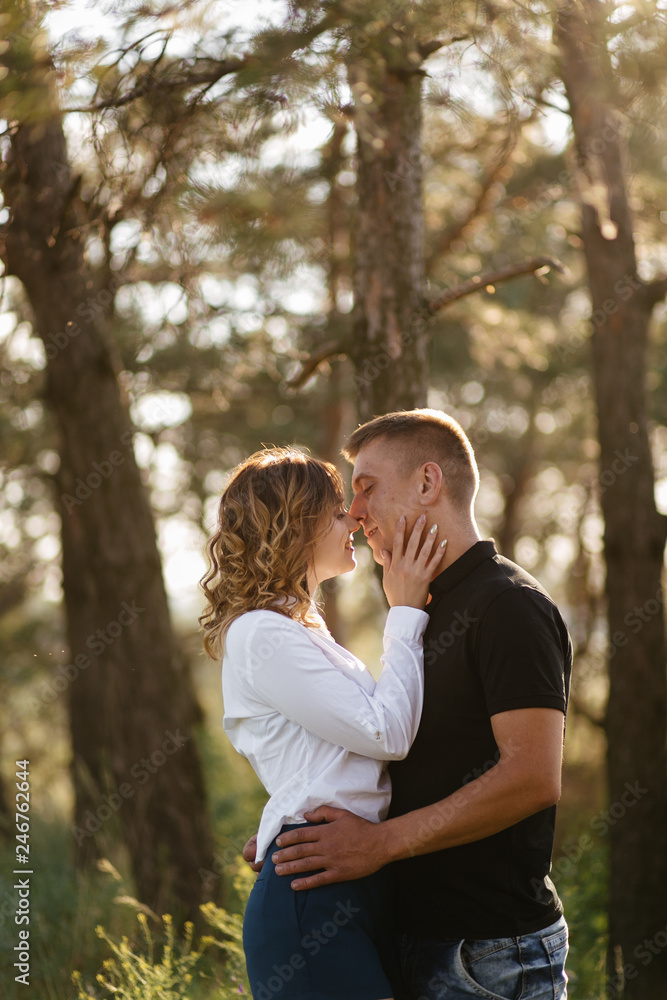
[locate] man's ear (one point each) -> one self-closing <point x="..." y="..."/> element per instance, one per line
<point x="430" y="484"/>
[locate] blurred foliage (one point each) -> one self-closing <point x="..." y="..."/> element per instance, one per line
<point x="174" y="968"/>
<point x="582" y="886"/>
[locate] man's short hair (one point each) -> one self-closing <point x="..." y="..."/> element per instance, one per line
<point x="422" y="436"/>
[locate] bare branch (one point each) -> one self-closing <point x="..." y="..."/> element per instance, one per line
<point x="151" y="82"/>
<point x="529" y="266"/>
<point x="289" y="44"/>
<point x="655" y="291"/>
<point x="331" y="349"/>
<point x="426" y="49"/>
<point x="578" y="706"/>
<point x="488" y="194"/>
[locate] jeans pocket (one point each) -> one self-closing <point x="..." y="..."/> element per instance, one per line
<point x="556" y="946"/>
<point x="494" y="973"/>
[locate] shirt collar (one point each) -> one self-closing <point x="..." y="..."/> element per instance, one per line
<point x="462" y="567"/>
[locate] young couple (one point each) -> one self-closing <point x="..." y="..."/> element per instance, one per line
<point x="416" y="812"/>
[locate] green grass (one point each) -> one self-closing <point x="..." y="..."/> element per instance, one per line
<point x="160" y="965"/>
<point x="65" y="905"/>
<point x="582" y="886"/>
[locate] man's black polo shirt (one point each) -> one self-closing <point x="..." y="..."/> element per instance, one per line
<point x="495" y="642"/>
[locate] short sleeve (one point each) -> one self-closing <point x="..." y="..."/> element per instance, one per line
<point x="522" y="652"/>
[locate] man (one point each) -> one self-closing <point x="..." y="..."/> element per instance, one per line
<point x="471" y="823"/>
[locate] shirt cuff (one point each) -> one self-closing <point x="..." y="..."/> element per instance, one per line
<point x="406" y="623"/>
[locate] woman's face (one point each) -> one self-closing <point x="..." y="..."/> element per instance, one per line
<point x="334" y="553"/>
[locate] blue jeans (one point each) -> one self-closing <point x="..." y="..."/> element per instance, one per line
<point x="528" y="967"/>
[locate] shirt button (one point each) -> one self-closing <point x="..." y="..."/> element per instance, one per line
<point x="377" y="734"/>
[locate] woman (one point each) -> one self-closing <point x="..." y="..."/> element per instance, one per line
<point x="307" y="714"/>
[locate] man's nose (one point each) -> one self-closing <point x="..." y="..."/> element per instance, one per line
<point x="356" y="509"/>
<point x="352" y="523"/>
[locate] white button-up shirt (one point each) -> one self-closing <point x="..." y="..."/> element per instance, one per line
<point x="308" y="715"/>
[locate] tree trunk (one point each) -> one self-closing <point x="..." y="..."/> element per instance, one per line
<point x="634" y="537"/>
<point x="389" y="342"/>
<point x="334" y="406"/>
<point x="130" y="698"/>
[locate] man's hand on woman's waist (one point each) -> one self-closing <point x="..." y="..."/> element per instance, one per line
<point x="345" y="845"/>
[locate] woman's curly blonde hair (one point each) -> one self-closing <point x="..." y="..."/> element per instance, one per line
<point x="275" y="508"/>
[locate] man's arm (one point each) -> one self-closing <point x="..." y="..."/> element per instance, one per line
<point x="525" y="780"/>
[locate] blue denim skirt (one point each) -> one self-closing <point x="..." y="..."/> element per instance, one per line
<point x="328" y="943"/>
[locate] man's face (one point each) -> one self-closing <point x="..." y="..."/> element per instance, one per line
<point x="382" y="493"/>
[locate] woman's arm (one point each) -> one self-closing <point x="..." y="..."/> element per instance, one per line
<point x="288" y="672"/>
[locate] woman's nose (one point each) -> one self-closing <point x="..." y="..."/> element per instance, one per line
<point x="352" y="523"/>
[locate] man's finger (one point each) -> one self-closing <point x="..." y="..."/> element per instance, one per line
<point x="312" y="882"/>
<point x="302" y="835"/>
<point x="292" y="853"/>
<point x="308" y="864"/>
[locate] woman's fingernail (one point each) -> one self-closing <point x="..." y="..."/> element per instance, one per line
<point x="401" y="519"/>
<point x="421" y="519"/>
<point x="433" y="529"/>
<point x="443" y="543"/>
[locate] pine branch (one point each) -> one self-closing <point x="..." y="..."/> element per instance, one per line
<point x="529" y="266"/>
<point x="426" y="49"/>
<point x="331" y="349"/>
<point x="288" y="44"/>
<point x="151" y="82"/>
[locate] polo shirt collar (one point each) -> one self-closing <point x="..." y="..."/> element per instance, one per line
<point x="452" y="576"/>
